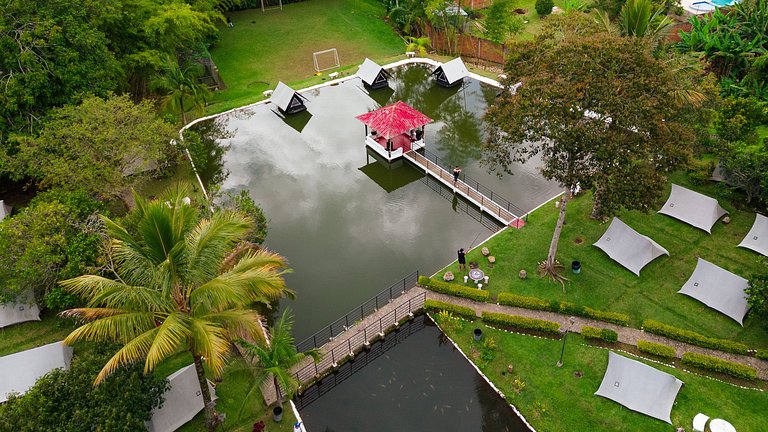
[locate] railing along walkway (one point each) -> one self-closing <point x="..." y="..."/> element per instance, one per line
<point x="501" y="213"/>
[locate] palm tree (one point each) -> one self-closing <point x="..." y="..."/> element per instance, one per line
<point x="418" y="44"/>
<point x="176" y="281"/>
<point x="278" y="356"/>
<point x="639" y="18"/>
<point x="182" y="90"/>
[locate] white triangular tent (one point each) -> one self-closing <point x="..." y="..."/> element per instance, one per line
<point x="20" y="371"/>
<point x="372" y="74"/>
<point x="451" y="73"/>
<point x="22" y="310"/>
<point x="719" y="289"/>
<point x="288" y="100"/>
<point x="5" y="209"/>
<point x="628" y="247"/>
<point x="692" y="208"/>
<point x="182" y="401"/>
<point x="639" y="387"/>
<point x="757" y="237"/>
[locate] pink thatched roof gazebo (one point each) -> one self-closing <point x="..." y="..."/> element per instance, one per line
<point x="393" y="120"/>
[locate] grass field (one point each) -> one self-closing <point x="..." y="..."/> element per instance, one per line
<point x="557" y="400"/>
<point x="604" y="284"/>
<point x="264" y="48"/>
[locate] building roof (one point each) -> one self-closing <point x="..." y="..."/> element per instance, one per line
<point x="368" y="71"/>
<point x="692" y="208"/>
<point x="22" y="310"/>
<point x="394" y="119"/>
<point x="282" y="95"/>
<point x="639" y="387"/>
<point x="719" y="289"/>
<point x="182" y="401"/>
<point x="757" y="237"/>
<point x="454" y="70"/>
<point x="628" y="247"/>
<point x="20" y="371"/>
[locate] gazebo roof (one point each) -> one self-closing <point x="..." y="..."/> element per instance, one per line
<point x="392" y="120"/>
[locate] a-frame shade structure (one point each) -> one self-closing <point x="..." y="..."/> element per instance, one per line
<point x="23" y="310"/>
<point x="182" y="401"/>
<point x="628" y="247"/>
<point x="639" y="387"/>
<point x="757" y="237"/>
<point x="373" y="75"/>
<point x="392" y="120"/>
<point x="20" y="371"/>
<point x="451" y="73"/>
<point x="719" y="289"/>
<point x="692" y="208"/>
<point x="288" y="100"/>
<point x="5" y="210"/>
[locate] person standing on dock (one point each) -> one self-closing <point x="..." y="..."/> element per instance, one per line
<point x="462" y="259"/>
<point x="456" y="172"/>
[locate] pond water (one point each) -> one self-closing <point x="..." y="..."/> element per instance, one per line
<point x="414" y="380"/>
<point x="349" y="225"/>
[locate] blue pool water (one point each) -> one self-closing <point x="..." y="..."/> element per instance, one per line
<point x="723" y="2"/>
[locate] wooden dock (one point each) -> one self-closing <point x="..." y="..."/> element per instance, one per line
<point x="485" y="203"/>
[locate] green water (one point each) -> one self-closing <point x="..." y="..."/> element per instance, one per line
<point x="348" y="225"/>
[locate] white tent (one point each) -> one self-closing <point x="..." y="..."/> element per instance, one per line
<point x="5" y="209"/>
<point x="451" y="73"/>
<point x="628" y="247"/>
<point x="25" y="309"/>
<point x="692" y="208"/>
<point x="182" y="401"/>
<point x="639" y="387"/>
<point x="757" y="237"/>
<point x="288" y="100"/>
<point x="719" y="289"/>
<point x="372" y="74"/>
<point x="20" y="371"/>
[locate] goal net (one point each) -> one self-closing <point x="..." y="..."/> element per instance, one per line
<point x="268" y="5"/>
<point x="327" y="59"/>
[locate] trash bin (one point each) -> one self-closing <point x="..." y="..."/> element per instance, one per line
<point x="478" y="334"/>
<point x="576" y="267"/>
<point x="277" y="414"/>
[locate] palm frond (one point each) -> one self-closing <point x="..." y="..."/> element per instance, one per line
<point x="240" y="323"/>
<point x="170" y="335"/>
<point x="133" y="351"/>
<point x="213" y="239"/>
<point x="110" y="326"/>
<point x="209" y="341"/>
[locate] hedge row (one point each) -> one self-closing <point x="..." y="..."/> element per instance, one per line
<point x="454" y="289"/>
<point x="521" y="322"/>
<point x="694" y="338"/>
<point x="656" y="349"/>
<point x="606" y="335"/>
<point x="562" y="307"/>
<point x="462" y="311"/>
<point x="762" y="354"/>
<point x="715" y="364"/>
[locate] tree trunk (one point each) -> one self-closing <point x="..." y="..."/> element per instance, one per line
<point x="550" y="264"/>
<point x="278" y="391"/>
<point x="183" y="115"/>
<point x="212" y="418"/>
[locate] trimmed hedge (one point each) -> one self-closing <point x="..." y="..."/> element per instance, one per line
<point x="462" y="311"/>
<point x="567" y="308"/>
<point x="522" y="322"/>
<point x="454" y="289"/>
<point x="606" y="335"/>
<point x="715" y="364"/>
<point x="762" y="354"/>
<point x="656" y="349"/>
<point x="694" y="338"/>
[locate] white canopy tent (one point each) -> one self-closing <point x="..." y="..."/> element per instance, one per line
<point x="451" y="73"/>
<point x="628" y="247"/>
<point x="5" y="209"/>
<point x="20" y="371"/>
<point x="757" y="237"/>
<point x="693" y="208"/>
<point x="719" y="289"/>
<point x="182" y="401"/>
<point x="639" y="387"/>
<point x="24" y="309"/>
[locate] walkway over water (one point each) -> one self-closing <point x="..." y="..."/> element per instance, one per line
<point x="469" y="189"/>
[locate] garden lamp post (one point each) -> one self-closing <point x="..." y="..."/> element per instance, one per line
<point x="571" y="320"/>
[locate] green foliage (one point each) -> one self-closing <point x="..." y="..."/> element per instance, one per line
<point x="762" y="354"/>
<point x="500" y="21"/>
<point x="418" y="45"/>
<point x="488" y="349"/>
<point x="544" y="7"/>
<point x="453" y="289"/>
<point x="181" y="88"/>
<point x="510" y="299"/>
<point x="694" y="338"/>
<point x="462" y="311"/>
<point x="605" y="335"/>
<point x="715" y="364"/>
<point x="659" y="350"/>
<point x="523" y="323"/>
<point x="67" y="401"/>
<point x="757" y="292"/>
<point x="611" y="317"/>
<point x="643" y="18"/>
<point x="611" y="7"/>
<point x="410" y="17"/>
<point x="243" y="203"/>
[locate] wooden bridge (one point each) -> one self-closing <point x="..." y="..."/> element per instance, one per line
<point x="499" y="210"/>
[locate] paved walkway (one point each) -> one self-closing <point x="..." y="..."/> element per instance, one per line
<point x="627" y="335"/>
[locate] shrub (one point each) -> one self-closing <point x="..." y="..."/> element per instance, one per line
<point x="509" y="299"/>
<point x="694" y="338"/>
<point x="606" y="335"/>
<point x="610" y="317"/>
<point x="462" y="311"/>
<point x="762" y="354"/>
<point x="454" y="289"/>
<point x="715" y="364"/>
<point x="544" y="7"/>
<point x="521" y="322"/>
<point x="656" y="349"/>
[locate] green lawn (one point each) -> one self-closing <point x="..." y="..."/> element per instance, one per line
<point x="604" y="284"/>
<point x="264" y="48"/>
<point x="557" y="400"/>
<point x="24" y="336"/>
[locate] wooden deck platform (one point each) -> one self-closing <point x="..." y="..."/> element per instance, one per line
<point x="483" y="202"/>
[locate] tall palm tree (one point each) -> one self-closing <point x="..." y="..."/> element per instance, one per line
<point x="182" y="90"/>
<point x="176" y="281"/>
<point x="275" y="358"/>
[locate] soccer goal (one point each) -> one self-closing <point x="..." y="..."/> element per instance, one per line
<point x="268" y="5"/>
<point x="326" y="59"/>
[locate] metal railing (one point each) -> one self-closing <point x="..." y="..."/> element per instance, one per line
<point x="357" y="314"/>
<point x="460" y="203"/>
<point x="483" y="190"/>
